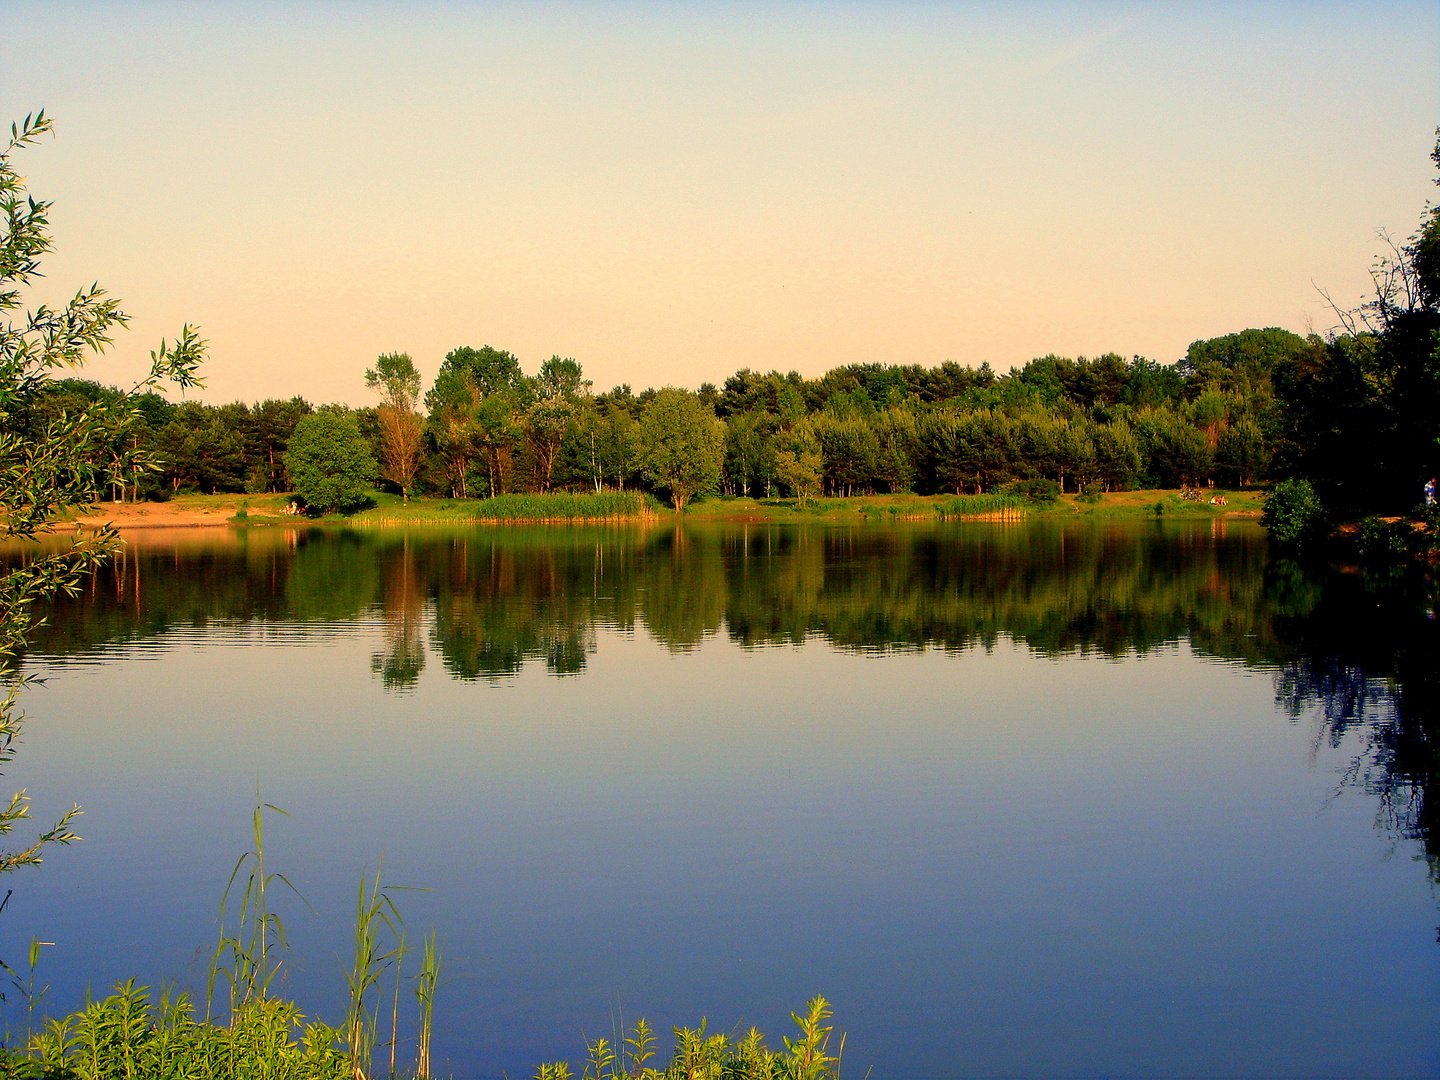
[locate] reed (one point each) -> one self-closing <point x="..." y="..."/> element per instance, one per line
<point x="247" y="958"/>
<point x="550" y="507"/>
<point x="427" y="982"/>
<point x="982" y="508"/>
<point x="25" y="987"/>
<point x="376" y="918"/>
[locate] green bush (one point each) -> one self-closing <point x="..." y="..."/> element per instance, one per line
<point x="1035" y="490"/>
<point x="1380" y="539"/>
<point x="1092" y="493"/>
<point x="1293" y="513"/>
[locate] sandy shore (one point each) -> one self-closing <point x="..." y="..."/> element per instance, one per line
<point x="156" y="516"/>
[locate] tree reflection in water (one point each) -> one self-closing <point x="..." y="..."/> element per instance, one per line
<point x="1366" y="659"/>
<point x="1356" y="647"/>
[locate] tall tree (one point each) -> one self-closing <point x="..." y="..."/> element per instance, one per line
<point x="558" y="389"/>
<point x="401" y="429"/>
<point x="475" y="406"/>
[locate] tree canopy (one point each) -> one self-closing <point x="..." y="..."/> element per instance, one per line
<point x="330" y="461"/>
<point x="682" y="445"/>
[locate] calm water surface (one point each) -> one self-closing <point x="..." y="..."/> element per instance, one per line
<point x="1022" y="800"/>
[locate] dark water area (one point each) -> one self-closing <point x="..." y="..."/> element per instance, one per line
<point x="1027" y="799"/>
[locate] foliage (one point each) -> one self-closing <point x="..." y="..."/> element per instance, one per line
<point x="1381" y="539"/>
<point x="54" y="460"/>
<point x="863" y="430"/>
<point x="329" y="461"/>
<point x="1037" y="491"/>
<point x="1293" y="513"/>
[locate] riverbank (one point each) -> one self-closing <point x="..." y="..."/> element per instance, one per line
<point x="198" y="511"/>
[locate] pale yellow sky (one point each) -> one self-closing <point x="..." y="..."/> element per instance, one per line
<point x="671" y="192"/>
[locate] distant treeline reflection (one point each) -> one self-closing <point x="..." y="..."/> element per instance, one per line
<point x="1358" y="648"/>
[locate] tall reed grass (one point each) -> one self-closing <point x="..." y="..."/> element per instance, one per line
<point x="532" y="507"/>
<point x="247" y="959"/>
<point x="982" y="508"/>
<point x="952" y="508"/>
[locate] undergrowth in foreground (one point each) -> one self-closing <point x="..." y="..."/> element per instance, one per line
<point x="699" y="1055"/>
<point x="134" y="1034"/>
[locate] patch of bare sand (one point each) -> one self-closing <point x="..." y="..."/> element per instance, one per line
<point x="155" y="516"/>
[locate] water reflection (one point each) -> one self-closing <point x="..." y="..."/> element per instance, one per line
<point x="1357" y="649"/>
<point x="1363" y="651"/>
<point x="495" y="599"/>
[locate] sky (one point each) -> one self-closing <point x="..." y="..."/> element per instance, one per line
<point x="671" y="192"/>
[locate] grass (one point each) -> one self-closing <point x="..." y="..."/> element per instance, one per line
<point x="904" y="507"/>
<point x="1247" y="502"/>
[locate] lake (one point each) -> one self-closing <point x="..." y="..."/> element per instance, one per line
<point x="1021" y="799"/>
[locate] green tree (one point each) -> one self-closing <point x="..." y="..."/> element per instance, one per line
<point x="401" y="429"/>
<point x="749" y="451"/>
<point x="52" y="463"/>
<point x="558" y="390"/>
<point x="798" y="461"/>
<point x="330" y="461"/>
<point x="1240" y="453"/>
<point x="476" y="407"/>
<point x="274" y="424"/>
<point x="1117" y="456"/>
<point x="683" y="445"/>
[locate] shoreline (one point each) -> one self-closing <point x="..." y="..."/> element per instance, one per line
<point x="211" y="511"/>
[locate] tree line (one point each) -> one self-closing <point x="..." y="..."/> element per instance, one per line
<point x="1236" y="410"/>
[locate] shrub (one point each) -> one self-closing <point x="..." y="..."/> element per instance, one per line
<point x="1293" y="513"/>
<point x="1035" y="490"/>
<point x="1092" y="493"/>
<point x="1380" y="539"/>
